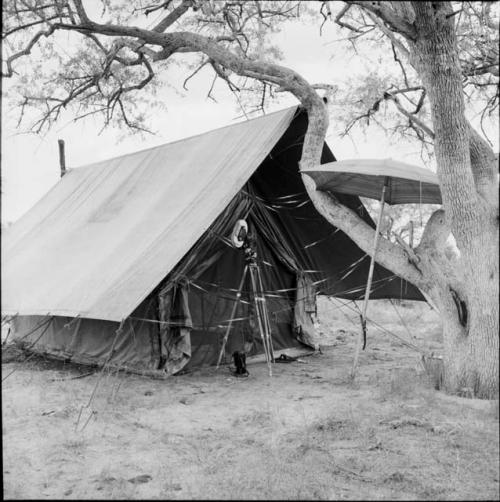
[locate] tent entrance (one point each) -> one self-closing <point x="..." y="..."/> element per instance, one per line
<point x="252" y="272"/>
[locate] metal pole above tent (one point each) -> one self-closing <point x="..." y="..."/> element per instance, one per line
<point x="62" y="158"/>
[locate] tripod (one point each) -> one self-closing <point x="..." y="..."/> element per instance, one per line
<point x="263" y="322"/>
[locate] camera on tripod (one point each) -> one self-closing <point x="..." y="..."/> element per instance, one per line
<point x="242" y="238"/>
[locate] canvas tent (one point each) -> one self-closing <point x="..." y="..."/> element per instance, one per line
<point x="127" y="261"/>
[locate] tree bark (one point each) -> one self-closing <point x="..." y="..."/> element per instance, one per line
<point x="470" y="316"/>
<point x="470" y="351"/>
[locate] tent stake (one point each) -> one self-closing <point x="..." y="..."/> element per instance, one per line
<point x="361" y="341"/>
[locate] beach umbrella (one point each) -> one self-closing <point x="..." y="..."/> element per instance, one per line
<point x="404" y="183"/>
<point x="387" y="180"/>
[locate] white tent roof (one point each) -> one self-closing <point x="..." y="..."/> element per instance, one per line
<point x="106" y="234"/>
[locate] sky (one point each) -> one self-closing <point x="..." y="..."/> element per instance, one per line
<point x="30" y="164"/>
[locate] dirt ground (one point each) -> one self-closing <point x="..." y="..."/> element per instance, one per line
<point x="306" y="433"/>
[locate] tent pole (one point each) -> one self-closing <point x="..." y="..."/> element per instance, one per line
<point x="361" y="341"/>
<point x="261" y="313"/>
<point x="62" y="157"/>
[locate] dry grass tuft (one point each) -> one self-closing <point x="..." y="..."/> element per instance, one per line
<point x="256" y="417"/>
<point x="76" y="442"/>
<point x="494" y="409"/>
<point x="434" y="367"/>
<point x="338" y="427"/>
<point x="404" y="384"/>
<point x="11" y="353"/>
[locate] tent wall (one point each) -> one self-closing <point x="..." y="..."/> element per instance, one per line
<point x="92" y="341"/>
<point x="214" y="270"/>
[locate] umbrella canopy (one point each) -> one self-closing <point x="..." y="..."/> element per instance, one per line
<point x="405" y="183"/>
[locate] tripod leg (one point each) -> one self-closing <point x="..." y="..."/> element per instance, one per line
<point x="268" y="333"/>
<point x="233" y="312"/>
<point x="266" y="337"/>
<point x="257" y="309"/>
<point x="259" y="306"/>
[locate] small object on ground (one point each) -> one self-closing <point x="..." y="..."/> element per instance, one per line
<point x="406" y="422"/>
<point x="108" y="479"/>
<point x="308" y="397"/>
<point x="396" y="477"/>
<point x="44" y="413"/>
<point x="148" y="393"/>
<point x="143" y="478"/>
<point x="283" y="358"/>
<point x="174" y="486"/>
<point x="376" y="446"/>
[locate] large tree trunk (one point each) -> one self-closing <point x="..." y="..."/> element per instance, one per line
<point x="470" y="341"/>
<point x="471" y="344"/>
<point x="479" y="369"/>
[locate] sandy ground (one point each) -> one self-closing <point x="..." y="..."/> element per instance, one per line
<point x="306" y="433"/>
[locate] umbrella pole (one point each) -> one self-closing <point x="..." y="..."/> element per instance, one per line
<point x="361" y="341"/>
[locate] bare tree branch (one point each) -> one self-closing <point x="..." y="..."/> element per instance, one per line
<point x="173" y="16"/>
<point x="411" y="117"/>
<point x="153" y="8"/>
<point x="343" y="24"/>
<point x="28" y="25"/>
<point x="26" y="50"/>
<point x="390" y="17"/>
<point x="191" y="75"/>
<point x="391" y="35"/>
<point x="82" y="14"/>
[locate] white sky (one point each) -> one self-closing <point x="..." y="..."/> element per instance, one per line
<point x="30" y="164"/>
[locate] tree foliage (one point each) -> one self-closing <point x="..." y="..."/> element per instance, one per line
<point x="91" y="74"/>
<point x="389" y="92"/>
<point x="95" y="74"/>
